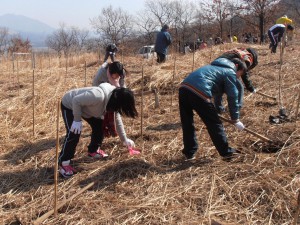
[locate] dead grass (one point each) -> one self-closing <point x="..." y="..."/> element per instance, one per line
<point x="157" y="187"/>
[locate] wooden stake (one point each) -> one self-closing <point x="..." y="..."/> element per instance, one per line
<point x="248" y="130"/>
<point x="85" y="73"/>
<point x="142" y="101"/>
<point x="297" y="212"/>
<point x="41" y="64"/>
<point x="33" y="103"/>
<point x="49" y="213"/>
<point x="280" y="77"/>
<point x="156" y="99"/>
<point x="297" y="108"/>
<point x="18" y="81"/>
<point x="56" y="160"/>
<point x="211" y="49"/>
<point x="49" y="61"/>
<point x="66" y="68"/>
<point x="194" y="52"/>
<point x="174" y="71"/>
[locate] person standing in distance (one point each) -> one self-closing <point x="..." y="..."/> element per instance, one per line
<point x="163" y="40"/>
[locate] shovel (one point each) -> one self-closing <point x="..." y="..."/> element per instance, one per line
<point x="248" y="130"/>
<point x="265" y="95"/>
<point x="282" y="112"/>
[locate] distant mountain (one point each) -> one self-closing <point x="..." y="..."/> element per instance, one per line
<point x="32" y="29"/>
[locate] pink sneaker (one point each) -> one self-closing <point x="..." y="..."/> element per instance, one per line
<point x="99" y="154"/>
<point x="66" y="170"/>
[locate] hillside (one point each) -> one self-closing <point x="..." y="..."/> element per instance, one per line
<point x="157" y="186"/>
<point x="36" y="31"/>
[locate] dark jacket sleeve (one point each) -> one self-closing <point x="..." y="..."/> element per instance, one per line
<point x="247" y="82"/>
<point x="169" y="38"/>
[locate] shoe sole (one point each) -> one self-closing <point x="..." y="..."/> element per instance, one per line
<point x="63" y="175"/>
<point x="190" y="159"/>
<point x="98" y="157"/>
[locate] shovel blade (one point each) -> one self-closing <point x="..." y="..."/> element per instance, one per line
<point x="282" y="112"/>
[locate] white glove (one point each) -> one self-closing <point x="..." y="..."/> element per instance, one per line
<point x="76" y="127"/>
<point x="104" y="65"/>
<point x="129" y="143"/>
<point x="239" y="125"/>
<point x="110" y="52"/>
<point x="254" y="91"/>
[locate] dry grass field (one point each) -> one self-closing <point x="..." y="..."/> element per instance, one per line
<point x="157" y="186"/>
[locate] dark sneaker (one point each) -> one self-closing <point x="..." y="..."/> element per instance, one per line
<point x="232" y="154"/>
<point x="99" y="154"/>
<point x="66" y="170"/>
<point x="188" y="157"/>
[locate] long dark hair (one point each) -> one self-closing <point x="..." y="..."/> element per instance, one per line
<point x="122" y="101"/>
<point x="117" y="67"/>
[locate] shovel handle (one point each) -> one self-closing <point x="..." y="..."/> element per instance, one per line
<point x="265" y="95"/>
<point x="248" y="130"/>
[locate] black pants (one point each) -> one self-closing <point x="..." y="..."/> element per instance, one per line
<point x="160" y="57"/>
<point x="72" y="139"/>
<point x="273" y="39"/>
<point x="188" y="102"/>
<point x="112" y="56"/>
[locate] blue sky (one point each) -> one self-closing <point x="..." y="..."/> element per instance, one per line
<point x="71" y="12"/>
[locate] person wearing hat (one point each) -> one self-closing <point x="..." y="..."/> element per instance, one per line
<point x="163" y="40"/>
<point x="91" y="104"/>
<point x="113" y="73"/>
<point x="284" y="20"/>
<point x="250" y="58"/>
<point x="110" y="51"/>
<point x="197" y="92"/>
<point x="275" y="34"/>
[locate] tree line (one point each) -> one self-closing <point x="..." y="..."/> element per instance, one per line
<point x="189" y="21"/>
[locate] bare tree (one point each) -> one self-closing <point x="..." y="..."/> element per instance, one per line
<point x="62" y="40"/>
<point x="297" y="6"/>
<point x="184" y="17"/>
<point x="262" y="10"/>
<point x="113" y="25"/>
<point x="80" y="36"/>
<point x="292" y="8"/>
<point x="3" y="40"/>
<point x="147" y="25"/>
<point x="162" y="10"/>
<point x="218" y="10"/>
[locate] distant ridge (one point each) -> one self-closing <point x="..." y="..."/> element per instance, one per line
<point x="31" y="29"/>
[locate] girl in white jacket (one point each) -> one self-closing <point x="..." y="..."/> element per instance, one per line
<point x="91" y="104"/>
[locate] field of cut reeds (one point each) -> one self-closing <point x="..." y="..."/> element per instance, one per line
<point x="157" y="186"/>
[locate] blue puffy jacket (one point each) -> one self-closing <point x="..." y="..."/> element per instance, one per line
<point x="163" y="40"/>
<point x="215" y="79"/>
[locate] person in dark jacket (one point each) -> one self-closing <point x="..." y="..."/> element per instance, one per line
<point x="196" y="93"/>
<point x="163" y="40"/>
<point x="275" y="34"/>
<point x="250" y="57"/>
<point x="110" y="51"/>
